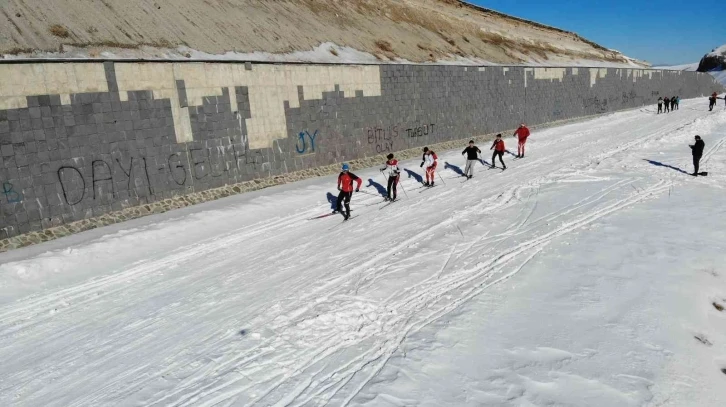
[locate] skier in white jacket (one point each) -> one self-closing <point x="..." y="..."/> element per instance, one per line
<point x="393" y="172"/>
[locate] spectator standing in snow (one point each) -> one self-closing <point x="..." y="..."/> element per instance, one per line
<point x="697" y="151"/>
<point x="393" y="173"/>
<point x="345" y="186"/>
<point x="673" y="103"/>
<point x="471" y="158"/>
<point x="711" y="102"/>
<point x="666" y="104"/>
<point x="678" y="102"/>
<point x="660" y="105"/>
<point x="429" y="159"/>
<point x="498" y="147"/>
<point x="521" y="133"/>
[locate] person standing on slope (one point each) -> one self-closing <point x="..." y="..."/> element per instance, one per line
<point x="393" y="172"/>
<point x="666" y="104"/>
<point x="498" y="147"/>
<point x="673" y="103"/>
<point x="345" y="186"/>
<point x="521" y="133"/>
<point x="697" y="151"/>
<point x="660" y="105"/>
<point x="429" y="159"/>
<point x="471" y="158"/>
<point x="711" y="102"/>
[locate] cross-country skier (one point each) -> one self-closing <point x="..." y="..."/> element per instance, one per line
<point x="429" y="159"/>
<point x="345" y="186"/>
<point x="498" y="147"/>
<point x="667" y="104"/>
<point x="393" y="172"/>
<point x="521" y="133"/>
<point x="712" y="102"/>
<point x="697" y="151"/>
<point x="471" y="158"/>
<point x="660" y="105"/>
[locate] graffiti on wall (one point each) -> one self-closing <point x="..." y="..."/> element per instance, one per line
<point x="108" y="178"/>
<point x="420" y="131"/>
<point x="382" y="138"/>
<point x="11" y="195"/>
<point x="302" y="146"/>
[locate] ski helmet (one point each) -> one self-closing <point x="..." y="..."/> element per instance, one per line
<point x="346" y="167"/>
<point x="390" y="156"/>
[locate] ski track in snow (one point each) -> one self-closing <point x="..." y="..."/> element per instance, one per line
<point x="323" y="305"/>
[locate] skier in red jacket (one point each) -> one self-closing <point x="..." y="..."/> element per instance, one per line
<point x="498" y="147"/>
<point x="345" y="186"/>
<point x="430" y="159"/>
<point x="521" y="133"/>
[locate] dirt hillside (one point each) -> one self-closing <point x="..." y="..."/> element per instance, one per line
<point x="412" y="30"/>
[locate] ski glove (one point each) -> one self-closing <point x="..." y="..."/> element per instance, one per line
<point x="357" y="190"/>
<point x="421" y="164"/>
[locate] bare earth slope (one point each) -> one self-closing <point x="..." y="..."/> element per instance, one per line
<point x="389" y="30"/>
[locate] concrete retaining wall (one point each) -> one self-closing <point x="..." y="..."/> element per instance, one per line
<point x="85" y="140"/>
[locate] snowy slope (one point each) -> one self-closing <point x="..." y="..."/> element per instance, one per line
<point x="718" y="73"/>
<point x="581" y="275"/>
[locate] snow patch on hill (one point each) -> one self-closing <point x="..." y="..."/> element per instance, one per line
<point x="327" y="53"/>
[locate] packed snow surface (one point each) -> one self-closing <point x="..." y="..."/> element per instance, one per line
<point x="589" y="273"/>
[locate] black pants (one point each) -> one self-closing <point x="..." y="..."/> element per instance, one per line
<point x="696" y="163"/>
<point x="500" y="154"/>
<point x="344" y="197"/>
<point x="711" y="105"/>
<point x="660" y="108"/>
<point x="392" y="182"/>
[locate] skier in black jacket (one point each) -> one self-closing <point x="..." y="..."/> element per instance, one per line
<point x="697" y="151"/>
<point x="471" y="158"/>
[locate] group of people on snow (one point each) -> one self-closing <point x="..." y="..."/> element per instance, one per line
<point x="670" y="104"/>
<point x="349" y="182"/>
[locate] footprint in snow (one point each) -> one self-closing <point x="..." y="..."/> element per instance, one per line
<point x="702" y="338"/>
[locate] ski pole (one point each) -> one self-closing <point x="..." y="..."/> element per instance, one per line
<point x="404" y="190"/>
<point x="366" y="192"/>
<point x="440" y="177"/>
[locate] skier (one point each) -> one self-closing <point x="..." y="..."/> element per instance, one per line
<point x="471" y="158"/>
<point x="667" y="104"/>
<point x="521" y="133"/>
<point x="697" y="151"/>
<point x="660" y="105"/>
<point x="430" y="160"/>
<point x="712" y="101"/>
<point x="498" y="147"/>
<point x="393" y="172"/>
<point x="345" y="186"/>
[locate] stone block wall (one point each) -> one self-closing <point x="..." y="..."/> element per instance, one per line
<point x="84" y="139"/>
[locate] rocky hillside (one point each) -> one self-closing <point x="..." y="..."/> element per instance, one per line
<point x="317" y="30"/>
<point x="714" y="60"/>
